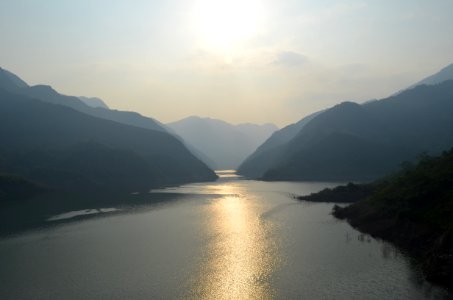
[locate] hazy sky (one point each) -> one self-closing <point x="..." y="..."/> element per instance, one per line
<point x="237" y="60"/>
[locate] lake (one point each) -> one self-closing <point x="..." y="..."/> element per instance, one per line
<point x="231" y="239"/>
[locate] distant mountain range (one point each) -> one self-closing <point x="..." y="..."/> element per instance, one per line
<point x="223" y="144"/>
<point x="360" y="142"/>
<point x="91" y="106"/>
<point x="69" y="141"/>
<point x="93" y="102"/>
<point x="60" y="141"/>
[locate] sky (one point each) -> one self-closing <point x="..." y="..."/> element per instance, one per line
<point x="241" y="61"/>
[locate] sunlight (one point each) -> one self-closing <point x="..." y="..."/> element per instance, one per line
<point x="240" y="258"/>
<point x="223" y="24"/>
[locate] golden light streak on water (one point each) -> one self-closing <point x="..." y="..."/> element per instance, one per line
<point x="241" y="256"/>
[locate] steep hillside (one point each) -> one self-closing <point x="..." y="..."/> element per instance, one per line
<point x="362" y="142"/>
<point x="60" y="146"/>
<point x="269" y="153"/>
<point x="343" y="143"/>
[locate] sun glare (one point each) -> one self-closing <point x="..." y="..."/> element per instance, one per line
<point x="223" y="24"/>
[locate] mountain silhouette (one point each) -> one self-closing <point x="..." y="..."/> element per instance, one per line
<point x="441" y="76"/>
<point x="274" y="147"/>
<point x="93" y="102"/>
<point x="224" y="144"/>
<point x="361" y="142"/>
<point x="12" y="83"/>
<point x="52" y="142"/>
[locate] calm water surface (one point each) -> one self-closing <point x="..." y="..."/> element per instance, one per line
<point x="232" y="239"/>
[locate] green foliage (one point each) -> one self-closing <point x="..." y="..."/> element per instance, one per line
<point x="422" y="193"/>
<point x="414" y="209"/>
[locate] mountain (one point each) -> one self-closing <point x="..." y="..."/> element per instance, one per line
<point x="59" y="146"/>
<point x="92" y="106"/>
<point x="199" y="154"/>
<point x="225" y="144"/>
<point x="12" y="83"/>
<point x="439" y="77"/>
<point x="267" y="154"/>
<point x="443" y="75"/>
<point x="93" y="102"/>
<point x="48" y="94"/>
<point x="363" y="142"/>
<point x="257" y="133"/>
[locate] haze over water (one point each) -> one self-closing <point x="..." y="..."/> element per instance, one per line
<point x="232" y="239"/>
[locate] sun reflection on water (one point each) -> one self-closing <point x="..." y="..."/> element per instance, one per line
<point x="240" y="258"/>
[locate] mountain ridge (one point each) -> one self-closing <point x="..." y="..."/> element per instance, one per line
<point x="47" y="93"/>
<point x="388" y="130"/>
<point x="93" y="102"/>
<point x="379" y="136"/>
<point x="225" y="144"/>
<point x="268" y="152"/>
<point x="65" y="143"/>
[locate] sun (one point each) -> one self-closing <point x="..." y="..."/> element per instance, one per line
<point x="223" y="24"/>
